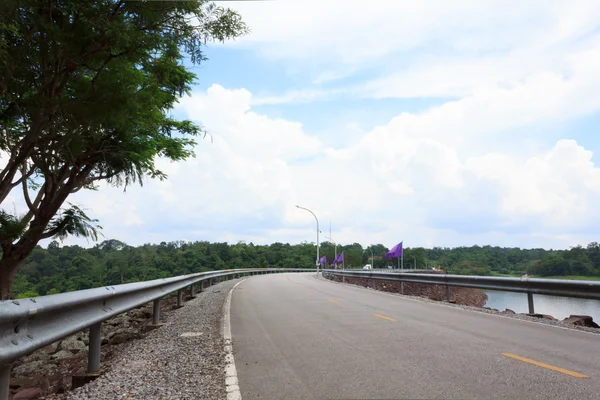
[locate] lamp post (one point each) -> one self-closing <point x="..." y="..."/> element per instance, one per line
<point x="334" y="244"/>
<point x="415" y="261"/>
<point x="372" y="257"/>
<point x="316" y="219"/>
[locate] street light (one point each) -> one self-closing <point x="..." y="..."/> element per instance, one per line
<point x="334" y="243"/>
<point x="415" y="261"/>
<point x="316" y="219"/>
<point x="372" y="257"/>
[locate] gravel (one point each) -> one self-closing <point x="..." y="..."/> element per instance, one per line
<point x="165" y="365"/>
<point x="524" y="317"/>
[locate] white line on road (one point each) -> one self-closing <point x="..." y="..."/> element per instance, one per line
<point x="231" y="379"/>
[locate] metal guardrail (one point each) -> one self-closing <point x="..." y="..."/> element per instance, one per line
<point x="29" y="324"/>
<point x="391" y="270"/>
<point x="531" y="286"/>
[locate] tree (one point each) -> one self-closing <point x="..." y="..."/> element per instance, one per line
<point x="85" y="90"/>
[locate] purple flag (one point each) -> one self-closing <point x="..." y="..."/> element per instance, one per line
<point x="338" y="259"/>
<point x="395" y="252"/>
<point x="323" y="260"/>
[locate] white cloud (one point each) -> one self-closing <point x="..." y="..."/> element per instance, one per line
<point x="432" y="177"/>
<point x="423" y="49"/>
<point x="401" y="181"/>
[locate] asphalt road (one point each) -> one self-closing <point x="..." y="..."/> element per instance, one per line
<point x="299" y="337"/>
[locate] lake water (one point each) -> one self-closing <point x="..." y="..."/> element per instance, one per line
<point x="558" y="307"/>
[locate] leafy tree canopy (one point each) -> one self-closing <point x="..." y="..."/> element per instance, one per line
<point x="59" y="269"/>
<point x="85" y="90"/>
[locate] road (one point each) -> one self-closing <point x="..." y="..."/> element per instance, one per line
<point x="300" y="337"/>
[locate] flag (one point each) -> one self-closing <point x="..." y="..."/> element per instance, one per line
<point x="323" y="260"/>
<point x="338" y="259"/>
<point x="395" y="252"/>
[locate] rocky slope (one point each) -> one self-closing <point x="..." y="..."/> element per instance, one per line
<point x="50" y="369"/>
<point x="458" y="295"/>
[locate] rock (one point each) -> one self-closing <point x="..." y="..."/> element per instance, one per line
<point x="58" y="383"/>
<point x="118" y="339"/>
<point x="79" y="380"/>
<point x="543" y="316"/>
<point x="21" y="382"/>
<point x="581" y="320"/>
<point x="52" y="348"/>
<point x="72" y="344"/>
<point x="508" y="311"/>
<point x="137" y="314"/>
<point x="123" y="335"/>
<point x="115" y="321"/>
<point x="129" y="332"/>
<point x="62" y="354"/>
<point x="36" y="367"/>
<point x="28" y="394"/>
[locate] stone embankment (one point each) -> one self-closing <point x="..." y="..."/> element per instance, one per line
<point x="135" y="358"/>
<point x="458" y="295"/>
<point x="470" y="298"/>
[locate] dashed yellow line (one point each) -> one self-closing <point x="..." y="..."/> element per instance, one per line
<point x="334" y="302"/>
<point x="547" y="366"/>
<point x="384" y="317"/>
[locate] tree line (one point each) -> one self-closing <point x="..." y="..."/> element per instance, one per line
<point x="59" y="269"/>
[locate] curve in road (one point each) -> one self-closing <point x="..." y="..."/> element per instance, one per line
<point x="296" y="336"/>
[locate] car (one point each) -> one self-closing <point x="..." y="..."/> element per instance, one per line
<point x="368" y="266"/>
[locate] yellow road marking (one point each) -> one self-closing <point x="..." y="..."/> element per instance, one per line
<point x="334" y="302"/>
<point x="547" y="366"/>
<point x="388" y="318"/>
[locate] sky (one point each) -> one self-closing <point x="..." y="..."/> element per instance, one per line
<point x="434" y="123"/>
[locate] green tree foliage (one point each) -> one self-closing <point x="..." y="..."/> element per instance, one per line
<point x="55" y="269"/>
<point x="85" y="93"/>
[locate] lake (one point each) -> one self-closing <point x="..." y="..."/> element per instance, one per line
<point x="558" y="307"/>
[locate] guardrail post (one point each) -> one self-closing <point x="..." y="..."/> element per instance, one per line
<point x="156" y="310"/>
<point x="180" y="298"/>
<point x="4" y="381"/>
<point x="95" y="338"/>
<point x="530" y="301"/>
<point x="447" y="293"/>
<point x="402" y="287"/>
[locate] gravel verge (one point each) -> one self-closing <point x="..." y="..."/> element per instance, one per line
<point x="165" y="365"/>
<point x="523" y="317"/>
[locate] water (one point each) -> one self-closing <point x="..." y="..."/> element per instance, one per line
<point x="558" y="307"/>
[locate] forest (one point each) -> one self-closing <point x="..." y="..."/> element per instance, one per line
<point x="59" y="269"/>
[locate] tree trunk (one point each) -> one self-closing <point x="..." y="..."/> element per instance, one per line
<point x="8" y="272"/>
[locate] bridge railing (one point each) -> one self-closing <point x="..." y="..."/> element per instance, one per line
<point x="531" y="286"/>
<point x="29" y="324"/>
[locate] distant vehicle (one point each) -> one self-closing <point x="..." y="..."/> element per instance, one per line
<point x="368" y="266"/>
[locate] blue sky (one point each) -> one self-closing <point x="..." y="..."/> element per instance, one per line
<point x="431" y="123"/>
